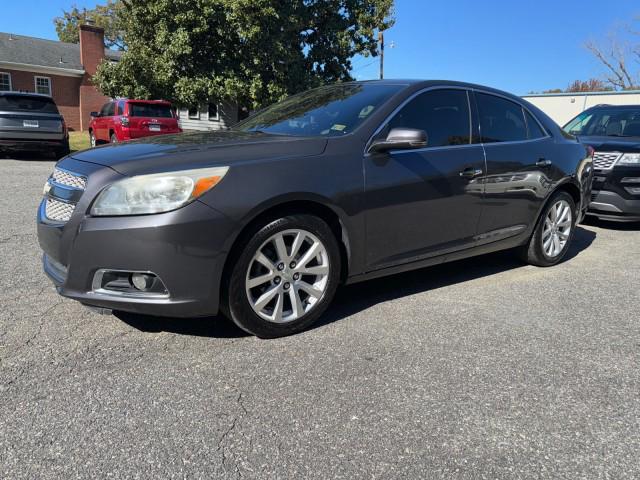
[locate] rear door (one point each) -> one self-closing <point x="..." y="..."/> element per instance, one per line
<point x="151" y="119"/>
<point x="519" y="166"/>
<point x="29" y="117"/>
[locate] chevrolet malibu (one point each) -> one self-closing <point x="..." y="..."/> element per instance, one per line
<point x="339" y="184"/>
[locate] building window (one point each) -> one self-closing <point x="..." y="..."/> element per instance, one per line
<point x="213" y="112"/>
<point x="43" y="85"/>
<point x="5" y="82"/>
<point x="194" y="113"/>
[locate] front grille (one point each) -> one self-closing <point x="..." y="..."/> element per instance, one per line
<point x="594" y="195"/>
<point x="59" y="203"/>
<point x="605" y="160"/>
<point x="58" y="211"/>
<point x="62" y="177"/>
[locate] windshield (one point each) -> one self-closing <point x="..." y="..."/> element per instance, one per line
<point x="150" y="110"/>
<point x="326" y="111"/>
<point x="607" y="122"/>
<point x="24" y="103"/>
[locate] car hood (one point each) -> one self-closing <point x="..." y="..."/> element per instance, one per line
<point x="612" y="144"/>
<point x="197" y="150"/>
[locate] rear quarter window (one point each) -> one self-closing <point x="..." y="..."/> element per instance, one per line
<point x="21" y="103"/>
<point x="149" y="110"/>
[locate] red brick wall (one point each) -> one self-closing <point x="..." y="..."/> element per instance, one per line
<point x="91" y="54"/>
<point x="65" y="92"/>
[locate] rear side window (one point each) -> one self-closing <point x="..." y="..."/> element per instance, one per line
<point x="533" y="127"/>
<point x="22" y="103"/>
<point x="149" y="110"/>
<point x="501" y="120"/>
<point x="443" y="114"/>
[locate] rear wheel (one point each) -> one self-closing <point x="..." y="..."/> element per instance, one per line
<point x="285" y="276"/>
<point x="62" y="152"/>
<point x="554" y="232"/>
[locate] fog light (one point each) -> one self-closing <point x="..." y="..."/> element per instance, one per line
<point x="142" y="281"/>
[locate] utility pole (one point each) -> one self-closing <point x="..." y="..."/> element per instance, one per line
<point x="381" y="43"/>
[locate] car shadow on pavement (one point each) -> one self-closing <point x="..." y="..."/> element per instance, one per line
<point x="352" y="299"/>
<point x="609" y="225"/>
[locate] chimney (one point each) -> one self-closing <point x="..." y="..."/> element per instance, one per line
<point x="91" y="47"/>
<point x="91" y="54"/>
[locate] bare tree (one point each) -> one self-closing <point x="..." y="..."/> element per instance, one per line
<point x="621" y="59"/>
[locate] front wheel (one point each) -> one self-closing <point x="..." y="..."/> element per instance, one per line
<point x="92" y="139"/>
<point x="114" y="139"/>
<point x="285" y="276"/>
<point x="554" y="232"/>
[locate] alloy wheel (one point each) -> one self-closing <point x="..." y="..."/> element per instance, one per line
<point x="557" y="228"/>
<point x="287" y="276"/>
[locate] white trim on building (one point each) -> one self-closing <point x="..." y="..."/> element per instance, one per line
<point x="6" y="75"/>
<point x="42" y="85"/>
<point x="25" y="67"/>
<point x="562" y="107"/>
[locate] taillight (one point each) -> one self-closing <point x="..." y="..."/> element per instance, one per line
<point x="124" y="121"/>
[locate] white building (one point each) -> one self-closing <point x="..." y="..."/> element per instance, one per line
<point x="211" y="116"/>
<point x="562" y="107"/>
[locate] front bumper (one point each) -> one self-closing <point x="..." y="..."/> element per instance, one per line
<point x="609" y="198"/>
<point x="186" y="248"/>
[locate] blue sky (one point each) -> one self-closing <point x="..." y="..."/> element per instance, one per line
<point x="514" y="45"/>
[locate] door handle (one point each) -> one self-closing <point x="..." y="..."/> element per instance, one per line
<point x="543" y="162"/>
<point x="470" y="172"/>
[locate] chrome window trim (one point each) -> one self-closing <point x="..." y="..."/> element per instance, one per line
<point x="409" y="99"/>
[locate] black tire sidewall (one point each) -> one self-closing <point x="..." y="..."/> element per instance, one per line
<point x="539" y="256"/>
<point x="237" y="304"/>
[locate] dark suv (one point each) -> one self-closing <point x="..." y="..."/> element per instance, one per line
<point x="30" y="122"/>
<point x="614" y="133"/>
<point x="338" y="184"/>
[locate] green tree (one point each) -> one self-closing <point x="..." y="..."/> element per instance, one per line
<point x="252" y="51"/>
<point x="108" y="16"/>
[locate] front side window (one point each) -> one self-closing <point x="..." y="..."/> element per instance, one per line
<point x="5" y="82"/>
<point x="329" y="111"/>
<point x="103" y="110"/>
<point x="43" y="85"/>
<point x="110" y="110"/>
<point x="501" y="120"/>
<point x="443" y="114"/>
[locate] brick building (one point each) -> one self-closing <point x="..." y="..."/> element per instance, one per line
<point x="62" y="70"/>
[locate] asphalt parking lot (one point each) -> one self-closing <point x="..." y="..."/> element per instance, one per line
<point x="480" y="369"/>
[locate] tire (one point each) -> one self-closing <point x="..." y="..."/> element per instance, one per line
<point x="113" y="138"/>
<point x="303" y="291"/>
<point x="92" y="140"/>
<point x="539" y="251"/>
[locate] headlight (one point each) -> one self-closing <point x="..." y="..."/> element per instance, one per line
<point x="156" y="193"/>
<point x="630" y="159"/>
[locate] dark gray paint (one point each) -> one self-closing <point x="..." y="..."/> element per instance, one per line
<point x="398" y="210"/>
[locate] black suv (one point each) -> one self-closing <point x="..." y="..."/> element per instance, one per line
<point x="30" y="122"/>
<point x="614" y="133"/>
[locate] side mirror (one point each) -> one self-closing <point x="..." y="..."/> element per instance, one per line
<point x="401" y="139"/>
<point x="94" y="114"/>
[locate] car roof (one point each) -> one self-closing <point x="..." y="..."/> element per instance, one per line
<point x="25" y="94"/>
<point x="133" y="100"/>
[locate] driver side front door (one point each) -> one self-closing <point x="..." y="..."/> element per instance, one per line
<point x="425" y="202"/>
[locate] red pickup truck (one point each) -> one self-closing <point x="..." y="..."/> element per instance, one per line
<point x="125" y="119"/>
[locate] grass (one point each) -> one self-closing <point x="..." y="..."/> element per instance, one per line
<point x="79" y="141"/>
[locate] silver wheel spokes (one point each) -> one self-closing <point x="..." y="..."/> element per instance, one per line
<point x="287" y="276"/>
<point x="557" y="228"/>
